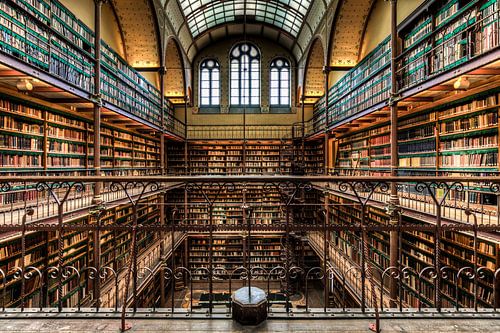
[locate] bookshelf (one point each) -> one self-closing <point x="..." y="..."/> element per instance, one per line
<point x="458" y="138"/>
<point x="46" y="35"/>
<point x="193" y="207"/>
<point x="34" y="137"/>
<point x="417" y="252"/>
<point x="434" y="41"/>
<point x="42" y="252"/>
<point x="313" y="157"/>
<point x="228" y="252"/>
<point x="227" y="157"/>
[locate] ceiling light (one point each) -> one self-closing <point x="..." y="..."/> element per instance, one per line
<point x="461" y="84"/>
<point x="24" y="85"/>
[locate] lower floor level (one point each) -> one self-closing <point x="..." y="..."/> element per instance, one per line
<point x="227" y="325"/>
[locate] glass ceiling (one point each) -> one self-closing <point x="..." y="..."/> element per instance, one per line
<point x="287" y="15"/>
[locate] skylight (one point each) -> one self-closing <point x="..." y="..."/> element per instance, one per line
<point x="287" y="15"/>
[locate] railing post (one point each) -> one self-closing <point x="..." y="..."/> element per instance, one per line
<point x="186" y="159"/>
<point x="394" y="199"/>
<point x="326" y="71"/>
<point x="162" y="72"/>
<point x="97" y="98"/>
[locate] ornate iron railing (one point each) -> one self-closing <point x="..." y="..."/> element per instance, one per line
<point x="363" y="286"/>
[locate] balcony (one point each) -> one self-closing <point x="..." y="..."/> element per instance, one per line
<point x="320" y="211"/>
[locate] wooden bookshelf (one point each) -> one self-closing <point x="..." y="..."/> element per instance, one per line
<point x="459" y="138"/>
<point x="228" y="252"/>
<point x="46" y="35"/>
<point x="230" y="158"/>
<point x="417" y="252"/>
<point x="434" y="41"/>
<point x="42" y="252"/>
<point x="39" y="139"/>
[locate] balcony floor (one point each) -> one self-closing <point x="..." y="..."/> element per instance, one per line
<point x="220" y="325"/>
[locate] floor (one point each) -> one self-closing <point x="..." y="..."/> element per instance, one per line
<point x="221" y="326"/>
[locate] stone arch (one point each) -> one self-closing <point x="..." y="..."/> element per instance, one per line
<point x="175" y="79"/>
<point x="347" y="32"/>
<point x="141" y="35"/>
<point x="314" y="79"/>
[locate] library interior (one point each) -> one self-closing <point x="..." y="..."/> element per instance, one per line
<point x="249" y="161"/>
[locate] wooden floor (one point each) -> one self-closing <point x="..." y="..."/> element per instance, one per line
<point x="222" y="326"/>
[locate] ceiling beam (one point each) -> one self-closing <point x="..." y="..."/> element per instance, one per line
<point x="66" y="100"/>
<point x="10" y="73"/>
<point x="485" y="71"/>
<point x="46" y="89"/>
<point x="442" y="87"/>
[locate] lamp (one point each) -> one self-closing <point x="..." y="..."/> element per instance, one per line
<point x="461" y="84"/>
<point x="24" y="85"/>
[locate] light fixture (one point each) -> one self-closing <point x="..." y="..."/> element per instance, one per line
<point x="461" y="84"/>
<point x="24" y="85"/>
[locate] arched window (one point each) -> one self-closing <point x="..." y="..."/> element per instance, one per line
<point x="209" y="83"/>
<point x="245" y="75"/>
<point x="280" y="82"/>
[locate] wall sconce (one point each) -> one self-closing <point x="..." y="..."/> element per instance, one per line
<point x="461" y="84"/>
<point x="24" y="85"/>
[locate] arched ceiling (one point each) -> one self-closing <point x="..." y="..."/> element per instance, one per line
<point x="228" y="30"/>
<point x="314" y="85"/>
<point x="140" y="33"/>
<point x="202" y="15"/>
<point x="175" y="82"/>
<point x="347" y="32"/>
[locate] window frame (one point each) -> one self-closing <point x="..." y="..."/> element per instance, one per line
<point x="242" y="89"/>
<point x="286" y="65"/>
<point x="211" y="80"/>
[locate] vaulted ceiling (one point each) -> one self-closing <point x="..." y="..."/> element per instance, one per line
<point x="148" y="25"/>
<point x="287" y="15"/>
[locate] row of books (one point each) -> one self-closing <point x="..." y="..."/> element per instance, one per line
<point x="20" y="142"/>
<point x="453" y="45"/>
<point x="470" y="123"/>
<point x="469" y="143"/>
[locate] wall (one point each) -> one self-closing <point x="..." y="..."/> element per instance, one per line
<point x="378" y="28"/>
<point x="84" y="10"/>
<point x="220" y="51"/>
<point x="379" y="22"/>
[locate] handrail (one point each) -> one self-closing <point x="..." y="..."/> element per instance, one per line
<point x="276" y="132"/>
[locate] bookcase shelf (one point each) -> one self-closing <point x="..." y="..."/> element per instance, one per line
<point x="228" y="252"/>
<point x="42" y="252"/>
<point x="226" y="157"/>
<point x="438" y="40"/>
<point x="462" y="136"/>
<point x="417" y="252"/>
<point x="46" y="35"/>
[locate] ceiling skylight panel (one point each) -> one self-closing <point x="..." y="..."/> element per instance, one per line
<point x="202" y="15"/>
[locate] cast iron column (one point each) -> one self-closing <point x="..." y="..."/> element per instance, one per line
<point x="394" y="199"/>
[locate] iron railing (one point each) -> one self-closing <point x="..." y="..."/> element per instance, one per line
<point x="238" y="132"/>
<point x="364" y="286"/>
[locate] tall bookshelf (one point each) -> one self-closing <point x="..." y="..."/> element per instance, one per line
<point x="458" y="138"/>
<point x="230" y="158"/>
<point x="229" y="252"/>
<point x="42" y="252"/>
<point x="46" y="35"/>
<point x="417" y="252"/>
<point x="37" y="138"/>
<point x="265" y="205"/>
<point x="434" y="41"/>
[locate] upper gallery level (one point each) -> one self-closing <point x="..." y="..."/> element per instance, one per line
<point x="163" y="66"/>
